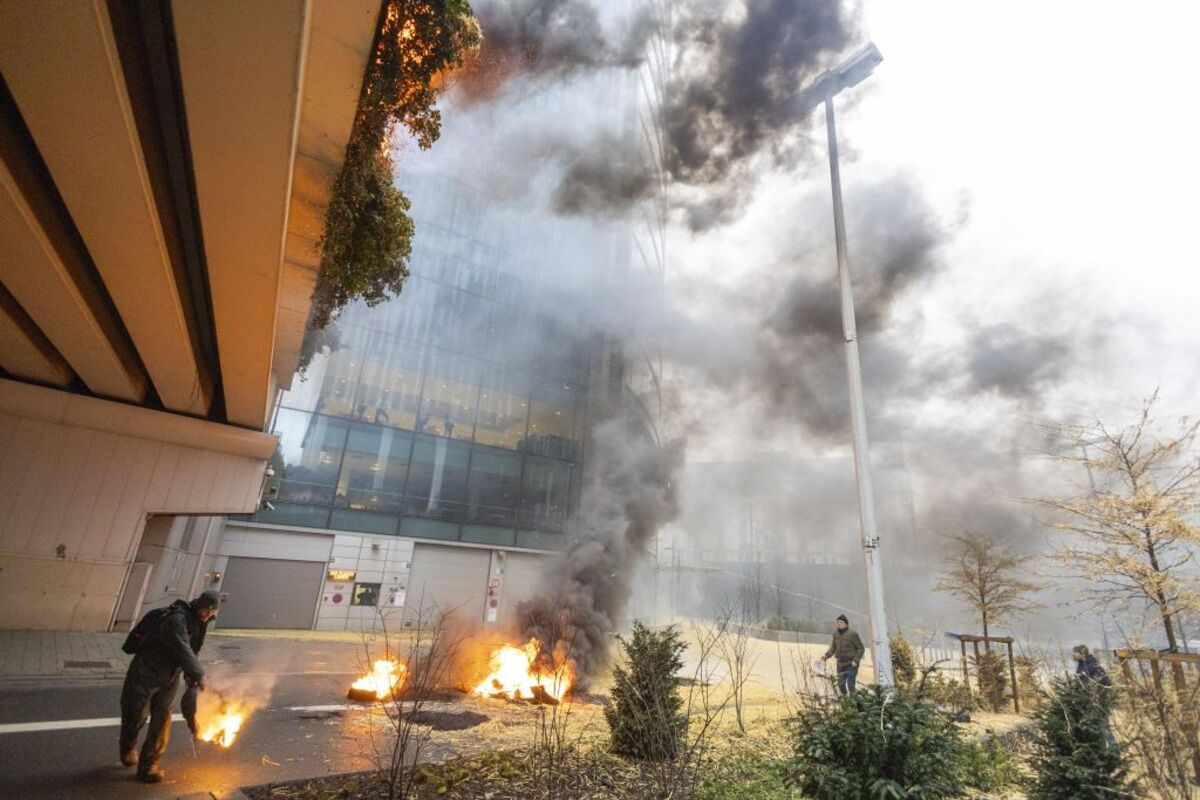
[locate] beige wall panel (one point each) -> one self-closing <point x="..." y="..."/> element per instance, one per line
<point x="218" y="489"/>
<point x="21" y="450"/>
<point x="181" y="485"/>
<point x="36" y="485"/>
<point x="131" y="514"/>
<point x="51" y="522"/>
<point x="92" y="464"/>
<point x="92" y="491"/>
<point x="164" y="476"/>
<point x="206" y="472"/>
<point x="108" y="502"/>
<point x="43" y="593"/>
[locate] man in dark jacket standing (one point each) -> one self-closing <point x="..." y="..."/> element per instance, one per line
<point x="153" y="680"/>
<point x="848" y="649"/>
<point x="1087" y="668"/>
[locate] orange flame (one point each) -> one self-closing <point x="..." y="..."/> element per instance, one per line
<point x="517" y="675"/>
<point x="385" y="678"/>
<point x="221" y="725"/>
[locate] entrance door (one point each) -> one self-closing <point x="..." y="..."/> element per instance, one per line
<point x="270" y="593"/>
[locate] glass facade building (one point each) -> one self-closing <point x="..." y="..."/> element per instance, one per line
<point x="456" y="411"/>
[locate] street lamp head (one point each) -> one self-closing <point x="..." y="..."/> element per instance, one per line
<point x="855" y="69"/>
<point x="851" y="72"/>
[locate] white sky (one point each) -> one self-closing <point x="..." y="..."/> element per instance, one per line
<point x="1066" y="133"/>
<point x="1069" y="127"/>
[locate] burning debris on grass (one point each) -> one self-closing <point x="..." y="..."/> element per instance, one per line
<point x="385" y="680"/>
<point x="522" y="673"/>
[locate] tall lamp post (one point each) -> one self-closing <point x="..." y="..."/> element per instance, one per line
<point x="849" y="73"/>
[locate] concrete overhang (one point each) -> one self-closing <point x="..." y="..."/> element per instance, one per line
<point x="164" y="174"/>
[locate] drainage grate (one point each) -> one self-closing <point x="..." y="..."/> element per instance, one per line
<point x="87" y="664"/>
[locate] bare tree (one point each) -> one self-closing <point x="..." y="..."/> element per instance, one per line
<point x="431" y="648"/>
<point x="1134" y="541"/>
<point x="733" y="649"/>
<point x="986" y="575"/>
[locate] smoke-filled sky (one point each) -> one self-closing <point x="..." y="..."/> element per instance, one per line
<point x="1020" y="187"/>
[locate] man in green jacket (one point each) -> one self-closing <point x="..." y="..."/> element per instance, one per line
<point x="848" y="649"/>
<point x="153" y="680"/>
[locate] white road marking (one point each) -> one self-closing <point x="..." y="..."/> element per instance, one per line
<point x="68" y="724"/>
<point x="339" y="707"/>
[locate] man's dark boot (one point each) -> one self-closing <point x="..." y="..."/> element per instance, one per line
<point x="129" y="757"/>
<point x="151" y="774"/>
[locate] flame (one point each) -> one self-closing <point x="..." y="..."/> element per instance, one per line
<point x="516" y="674"/>
<point x="222" y="724"/>
<point x="385" y="678"/>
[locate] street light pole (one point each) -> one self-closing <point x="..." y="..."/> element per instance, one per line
<point x="881" y="650"/>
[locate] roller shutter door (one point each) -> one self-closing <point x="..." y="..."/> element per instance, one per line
<point x="523" y="578"/>
<point x="451" y="578"/>
<point x="270" y="593"/>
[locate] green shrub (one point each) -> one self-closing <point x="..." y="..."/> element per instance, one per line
<point x="991" y="673"/>
<point x="904" y="661"/>
<point x="1074" y="754"/>
<point x="645" y="715"/>
<point x="873" y="745"/>
<point x="989" y="766"/>
<point x="948" y="693"/>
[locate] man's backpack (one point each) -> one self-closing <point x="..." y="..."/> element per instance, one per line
<point x="137" y="639"/>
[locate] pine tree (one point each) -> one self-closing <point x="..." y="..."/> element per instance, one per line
<point x="645" y="714"/>
<point x="1074" y="754"/>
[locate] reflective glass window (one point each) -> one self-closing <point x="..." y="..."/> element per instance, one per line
<point x="339" y="380"/>
<point x="495" y="486"/>
<point x="373" y="469"/>
<point x="503" y="408"/>
<point x="437" y="478"/>
<point x="449" y="394"/>
<point x="551" y="419"/>
<point x="310" y="447"/>
<point x="544" y="493"/>
<point x="389" y="389"/>
<point x="517" y="337"/>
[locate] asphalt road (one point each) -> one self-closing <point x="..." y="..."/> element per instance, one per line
<point x="59" y="740"/>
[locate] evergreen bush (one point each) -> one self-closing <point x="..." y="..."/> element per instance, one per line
<point x="645" y="716"/>
<point x="991" y="672"/>
<point x="876" y="745"/>
<point x="1074" y="754"/>
<point x="904" y="661"/>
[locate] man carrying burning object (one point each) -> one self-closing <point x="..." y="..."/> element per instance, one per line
<point x="164" y="643"/>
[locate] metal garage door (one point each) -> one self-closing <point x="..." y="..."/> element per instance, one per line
<point x="451" y="578"/>
<point x="270" y="593"/>
<point x="523" y="578"/>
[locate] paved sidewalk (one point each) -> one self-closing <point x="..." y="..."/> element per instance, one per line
<point x="61" y="654"/>
<point x="74" y="655"/>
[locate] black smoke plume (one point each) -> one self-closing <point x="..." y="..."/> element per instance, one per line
<point x="630" y="494"/>
<point x="730" y="102"/>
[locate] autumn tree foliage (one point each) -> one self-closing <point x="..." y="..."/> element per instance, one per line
<point x="986" y="575"/>
<point x="368" y="230"/>
<point x="1132" y="536"/>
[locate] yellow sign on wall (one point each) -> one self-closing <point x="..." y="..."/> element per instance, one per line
<point x="341" y="575"/>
